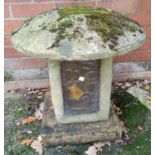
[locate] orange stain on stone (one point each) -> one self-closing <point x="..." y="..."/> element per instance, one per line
<point x="75" y="92"/>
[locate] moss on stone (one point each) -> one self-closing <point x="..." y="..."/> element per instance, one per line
<point x="60" y="26"/>
<point x="29" y="20"/>
<point x="73" y="35"/>
<point x="80" y="19"/>
<point x="25" y="23"/>
<point x="108" y="24"/>
<point x="134" y="114"/>
<point x="132" y="28"/>
<point x="65" y="12"/>
<point x="66" y="24"/>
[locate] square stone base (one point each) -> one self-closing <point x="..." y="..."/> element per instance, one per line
<point x="54" y="133"/>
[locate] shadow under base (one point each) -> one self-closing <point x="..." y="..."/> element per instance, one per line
<point x="54" y="133"/>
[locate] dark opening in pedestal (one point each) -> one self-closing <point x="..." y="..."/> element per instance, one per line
<point x="80" y="84"/>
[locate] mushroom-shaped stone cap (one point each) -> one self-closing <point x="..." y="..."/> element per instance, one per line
<point x="78" y="33"/>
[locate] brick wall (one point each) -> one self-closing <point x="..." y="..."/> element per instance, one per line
<point x="31" y="72"/>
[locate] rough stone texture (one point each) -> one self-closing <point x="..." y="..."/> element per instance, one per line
<point x="39" y="37"/>
<point x="54" y="133"/>
<point x="141" y="95"/>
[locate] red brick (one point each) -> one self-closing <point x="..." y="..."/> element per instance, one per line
<point x="147" y="30"/>
<point x="105" y="4"/>
<point x="6" y="11"/>
<point x="7" y="39"/>
<point x="144" y="5"/>
<point x="65" y="4"/>
<point x="146" y="45"/>
<point x="83" y="3"/>
<point x="62" y="4"/>
<point x="143" y="19"/>
<point x="25" y="10"/>
<point x="24" y="63"/>
<point x="122" y="6"/>
<point x="10" y="52"/>
<point x="42" y="0"/>
<point x="11" y="25"/>
<point x="140" y="55"/>
<point x="17" y="1"/>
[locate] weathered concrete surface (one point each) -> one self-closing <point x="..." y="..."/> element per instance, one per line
<point x="141" y="95"/>
<point x="54" y="133"/>
<point x="50" y="35"/>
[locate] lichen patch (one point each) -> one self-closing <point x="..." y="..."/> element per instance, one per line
<point x="91" y="33"/>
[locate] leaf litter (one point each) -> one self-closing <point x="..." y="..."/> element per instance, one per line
<point x="96" y="147"/>
<point x="37" y="145"/>
<point x="37" y="111"/>
<point x="26" y="141"/>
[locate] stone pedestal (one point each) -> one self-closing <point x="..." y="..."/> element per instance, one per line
<point x="79" y="43"/>
<point x="55" y="133"/>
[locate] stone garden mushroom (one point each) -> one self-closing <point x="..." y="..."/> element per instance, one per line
<point x="79" y="43"/>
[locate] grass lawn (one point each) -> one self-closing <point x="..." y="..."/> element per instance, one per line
<point x="134" y="115"/>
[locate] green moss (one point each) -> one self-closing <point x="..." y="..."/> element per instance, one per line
<point x="7" y="76"/>
<point x="28" y="20"/>
<point x="65" y="12"/>
<point x="25" y="23"/>
<point x="134" y="114"/>
<point x="60" y="26"/>
<point x="66" y="24"/>
<point x="108" y="24"/>
<point x="132" y="28"/>
<point x="80" y="19"/>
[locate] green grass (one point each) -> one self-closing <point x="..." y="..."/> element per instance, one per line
<point x="13" y="133"/>
<point x="134" y="114"/>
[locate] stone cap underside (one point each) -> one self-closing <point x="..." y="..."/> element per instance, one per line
<point x="78" y="33"/>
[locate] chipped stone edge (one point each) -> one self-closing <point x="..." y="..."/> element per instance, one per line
<point x="92" y="56"/>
